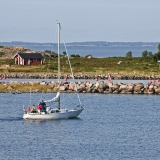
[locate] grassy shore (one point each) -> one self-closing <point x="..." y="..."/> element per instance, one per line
<point x="26" y="87"/>
<point x="134" y="66"/>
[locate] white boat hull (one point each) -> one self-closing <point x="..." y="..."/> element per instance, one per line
<point x="62" y="114"/>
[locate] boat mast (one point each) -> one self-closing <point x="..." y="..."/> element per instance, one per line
<point x="58" y="63"/>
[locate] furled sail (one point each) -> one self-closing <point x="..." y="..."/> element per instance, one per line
<point x="55" y="99"/>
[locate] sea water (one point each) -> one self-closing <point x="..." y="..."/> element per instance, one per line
<point x="111" y="126"/>
<point x="100" y="51"/>
<point x="96" y="49"/>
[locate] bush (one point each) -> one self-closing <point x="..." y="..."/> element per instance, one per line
<point x="146" y="54"/>
<point x="75" y="55"/>
<point x="129" y="54"/>
<point x="48" y="51"/>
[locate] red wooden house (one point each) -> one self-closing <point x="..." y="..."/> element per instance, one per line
<point x="28" y="58"/>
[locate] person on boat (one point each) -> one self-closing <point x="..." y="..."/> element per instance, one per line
<point x="33" y="109"/>
<point x="28" y="109"/>
<point x="39" y="108"/>
<point x="43" y="104"/>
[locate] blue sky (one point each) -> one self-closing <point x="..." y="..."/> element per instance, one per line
<point x="81" y="20"/>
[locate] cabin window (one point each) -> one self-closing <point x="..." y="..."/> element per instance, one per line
<point x="34" y="59"/>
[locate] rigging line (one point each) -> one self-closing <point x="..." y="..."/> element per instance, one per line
<point x="71" y="71"/>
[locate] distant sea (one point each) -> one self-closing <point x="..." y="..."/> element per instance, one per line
<point x="96" y="49"/>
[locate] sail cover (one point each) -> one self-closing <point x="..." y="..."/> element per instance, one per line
<point x="55" y="99"/>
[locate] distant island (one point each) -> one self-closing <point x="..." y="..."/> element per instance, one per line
<point x="90" y="43"/>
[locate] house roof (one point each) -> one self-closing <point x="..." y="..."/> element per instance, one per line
<point x="30" y="55"/>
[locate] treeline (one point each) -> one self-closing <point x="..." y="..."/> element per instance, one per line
<point x="146" y="54"/>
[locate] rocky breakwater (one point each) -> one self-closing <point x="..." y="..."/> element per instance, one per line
<point x="82" y="87"/>
<point x="118" y="88"/>
<point x="80" y="76"/>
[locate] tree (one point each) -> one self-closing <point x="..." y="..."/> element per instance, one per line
<point x="64" y="53"/>
<point x="159" y="47"/>
<point x="129" y="54"/>
<point x="150" y="54"/>
<point x="145" y="54"/>
<point x="157" y="56"/>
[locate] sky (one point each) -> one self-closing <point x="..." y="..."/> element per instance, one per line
<point x="81" y="20"/>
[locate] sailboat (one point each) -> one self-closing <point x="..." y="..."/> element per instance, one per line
<point x="55" y="113"/>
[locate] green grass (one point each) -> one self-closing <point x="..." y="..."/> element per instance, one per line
<point x="84" y="65"/>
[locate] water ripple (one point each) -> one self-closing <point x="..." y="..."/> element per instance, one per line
<point x="110" y="127"/>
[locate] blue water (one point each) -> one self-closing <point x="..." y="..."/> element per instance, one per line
<point x="112" y="126"/>
<point x="96" y="49"/>
<point x="100" y="51"/>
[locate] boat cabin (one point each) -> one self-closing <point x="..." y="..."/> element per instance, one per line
<point x="28" y="58"/>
